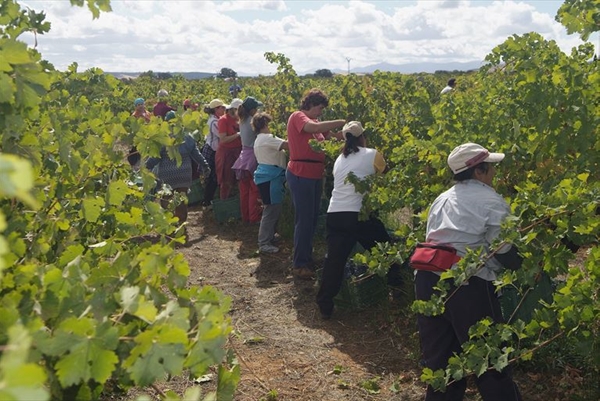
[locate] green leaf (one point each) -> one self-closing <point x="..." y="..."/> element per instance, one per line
<point x="4" y="67"/>
<point x="155" y="362"/>
<point x="70" y="254"/>
<point x="501" y="363"/>
<point x="7" y="88"/>
<point x="174" y="315"/>
<point x="583" y="176"/>
<point x="14" y="52"/>
<point x="92" y="208"/>
<point x="16" y="178"/>
<point x="88" y="349"/>
<point x="136" y="304"/>
<point x="117" y="192"/>
<point x="86" y="361"/>
<point x="193" y="394"/>
<point x="371" y="386"/>
<point x="227" y="383"/>
<point x="20" y="380"/>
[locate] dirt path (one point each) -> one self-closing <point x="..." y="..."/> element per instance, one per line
<point x="283" y="345"/>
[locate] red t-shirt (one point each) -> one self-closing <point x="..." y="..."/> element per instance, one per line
<point x="161" y="109"/>
<point x="304" y="162"/>
<point x="230" y="126"/>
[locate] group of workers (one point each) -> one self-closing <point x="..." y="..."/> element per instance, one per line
<point x="240" y="147"/>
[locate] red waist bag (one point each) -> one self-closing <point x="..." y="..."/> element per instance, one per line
<point x="433" y="258"/>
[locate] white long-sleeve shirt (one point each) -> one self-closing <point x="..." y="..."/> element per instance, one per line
<point x="468" y="215"/>
<point x="212" y="138"/>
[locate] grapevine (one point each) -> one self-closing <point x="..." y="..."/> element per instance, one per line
<point x="93" y="292"/>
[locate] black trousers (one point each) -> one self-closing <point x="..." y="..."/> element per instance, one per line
<point x="210" y="183"/>
<point x="442" y="336"/>
<point x="343" y="231"/>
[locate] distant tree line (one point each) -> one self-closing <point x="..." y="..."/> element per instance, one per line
<point x="158" y="75"/>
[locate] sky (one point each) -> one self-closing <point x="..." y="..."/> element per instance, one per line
<point x="205" y="36"/>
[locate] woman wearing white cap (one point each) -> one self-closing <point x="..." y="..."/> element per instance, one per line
<point x="230" y="146"/>
<point x="344" y="228"/>
<point x="215" y="109"/>
<point x="161" y="108"/>
<point x="467" y="216"/>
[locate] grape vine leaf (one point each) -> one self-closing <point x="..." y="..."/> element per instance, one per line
<point x="85" y="361"/>
<point x="20" y="380"/>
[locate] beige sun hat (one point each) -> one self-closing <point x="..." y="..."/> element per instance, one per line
<point x="470" y="154"/>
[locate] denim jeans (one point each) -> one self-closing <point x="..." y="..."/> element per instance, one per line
<point x="306" y="197"/>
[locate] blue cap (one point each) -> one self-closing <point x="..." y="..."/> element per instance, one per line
<point x="138" y="101"/>
<point x="170" y="115"/>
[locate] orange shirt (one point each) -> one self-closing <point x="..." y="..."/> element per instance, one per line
<point x="145" y="115"/>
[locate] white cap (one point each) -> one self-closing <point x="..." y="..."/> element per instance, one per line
<point x="468" y="155"/>
<point x="162" y="93"/>
<point x="235" y="103"/>
<point x="355" y="128"/>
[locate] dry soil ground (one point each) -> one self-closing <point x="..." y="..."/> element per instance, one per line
<point x="286" y="351"/>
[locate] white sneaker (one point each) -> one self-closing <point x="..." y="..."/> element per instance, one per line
<point x="268" y="249"/>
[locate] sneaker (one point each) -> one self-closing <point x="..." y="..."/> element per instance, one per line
<point x="268" y="249"/>
<point x="303" y="273"/>
<point x="276" y="238"/>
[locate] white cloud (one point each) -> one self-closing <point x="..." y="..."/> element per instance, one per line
<point x="275" y="5"/>
<point x="208" y="35"/>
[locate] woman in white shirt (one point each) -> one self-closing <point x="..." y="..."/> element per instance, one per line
<point x="344" y="228"/>
<point x="269" y="177"/>
<point x="467" y="216"/>
<point x="215" y="109"/>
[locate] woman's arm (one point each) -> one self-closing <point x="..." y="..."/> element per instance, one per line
<point x="284" y="146"/>
<point x="313" y="127"/>
<point x="339" y="135"/>
<point x="196" y="155"/>
<point x="152" y="162"/>
<point x="379" y="163"/>
<point x="224" y="138"/>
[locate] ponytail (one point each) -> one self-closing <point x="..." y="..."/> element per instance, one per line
<point x="351" y="145"/>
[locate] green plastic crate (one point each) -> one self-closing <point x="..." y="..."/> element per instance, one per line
<point x="510" y="299"/>
<point x="196" y="193"/>
<point x="361" y="292"/>
<point x="227" y="209"/>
